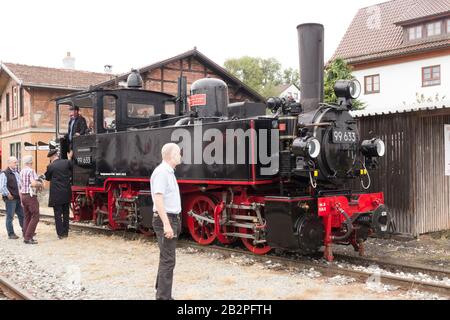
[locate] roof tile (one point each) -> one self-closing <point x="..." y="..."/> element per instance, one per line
<point x="374" y="34"/>
<point x="58" y="78"/>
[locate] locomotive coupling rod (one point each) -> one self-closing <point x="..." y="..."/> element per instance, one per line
<point x="242" y="207"/>
<point x="200" y="218"/>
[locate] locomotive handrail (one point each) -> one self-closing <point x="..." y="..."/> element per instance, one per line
<point x="320" y="124"/>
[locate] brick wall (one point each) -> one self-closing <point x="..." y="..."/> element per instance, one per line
<point x="18" y="122"/>
<point x="42" y="160"/>
<point x="36" y="124"/>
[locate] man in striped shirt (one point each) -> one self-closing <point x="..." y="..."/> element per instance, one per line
<point x="28" y="181"/>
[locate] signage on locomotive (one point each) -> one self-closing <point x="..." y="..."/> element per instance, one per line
<point x="197" y="100"/>
<point x="447" y="148"/>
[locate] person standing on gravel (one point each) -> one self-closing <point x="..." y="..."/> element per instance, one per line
<point x="166" y="216"/>
<point x="29" y="181"/>
<point x="9" y="184"/>
<point x="59" y="173"/>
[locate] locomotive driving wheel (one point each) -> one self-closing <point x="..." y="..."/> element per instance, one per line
<point x="255" y="244"/>
<point x="200" y="219"/>
<point x="251" y="245"/>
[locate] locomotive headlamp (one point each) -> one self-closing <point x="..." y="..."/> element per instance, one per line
<point x="274" y="103"/>
<point x="373" y="148"/>
<point x="306" y="147"/>
<point x="347" y="89"/>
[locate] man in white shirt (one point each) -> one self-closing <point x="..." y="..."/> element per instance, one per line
<point x="166" y="216"/>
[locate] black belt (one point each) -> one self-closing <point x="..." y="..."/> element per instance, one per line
<point x="168" y="213"/>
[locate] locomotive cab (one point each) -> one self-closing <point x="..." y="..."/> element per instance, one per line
<point x="117" y="110"/>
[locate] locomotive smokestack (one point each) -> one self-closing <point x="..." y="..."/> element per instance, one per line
<point x="311" y="44"/>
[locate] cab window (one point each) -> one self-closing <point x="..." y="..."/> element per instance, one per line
<point x="169" y="107"/>
<point x="109" y="112"/>
<point x="140" y="110"/>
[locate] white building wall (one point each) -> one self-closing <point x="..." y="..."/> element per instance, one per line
<point x="399" y="83"/>
<point x="291" y="91"/>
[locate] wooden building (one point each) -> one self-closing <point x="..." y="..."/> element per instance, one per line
<point x="412" y="173"/>
<point x="162" y="76"/>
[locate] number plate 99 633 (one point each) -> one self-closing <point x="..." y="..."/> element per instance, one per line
<point x="343" y="136"/>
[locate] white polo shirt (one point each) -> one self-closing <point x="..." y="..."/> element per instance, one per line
<point x="163" y="181"/>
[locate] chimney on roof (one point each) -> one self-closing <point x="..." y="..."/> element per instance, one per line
<point x="108" y="68"/>
<point x="69" y="62"/>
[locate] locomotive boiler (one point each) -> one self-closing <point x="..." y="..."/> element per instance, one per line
<point x="282" y="180"/>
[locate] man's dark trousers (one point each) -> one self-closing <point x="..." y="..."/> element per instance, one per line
<point x="167" y="259"/>
<point x="62" y="219"/>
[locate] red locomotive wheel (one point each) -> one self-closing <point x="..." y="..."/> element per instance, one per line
<point x="260" y="248"/>
<point x="202" y="231"/>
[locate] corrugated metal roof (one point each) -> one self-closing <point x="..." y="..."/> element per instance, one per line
<point x="373" y="111"/>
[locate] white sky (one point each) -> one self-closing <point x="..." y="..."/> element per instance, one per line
<point x="136" y="33"/>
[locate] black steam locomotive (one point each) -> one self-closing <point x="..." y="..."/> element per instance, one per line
<point x="270" y="181"/>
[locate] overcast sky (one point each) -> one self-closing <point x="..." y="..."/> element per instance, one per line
<point x="135" y="33"/>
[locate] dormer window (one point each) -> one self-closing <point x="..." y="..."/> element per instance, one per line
<point x="415" y="33"/>
<point x="434" y="29"/>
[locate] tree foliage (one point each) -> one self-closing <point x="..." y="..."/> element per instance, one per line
<point x="338" y="70"/>
<point x="262" y="75"/>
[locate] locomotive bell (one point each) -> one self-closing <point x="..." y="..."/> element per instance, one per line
<point x="134" y="80"/>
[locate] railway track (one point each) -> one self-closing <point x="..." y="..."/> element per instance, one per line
<point x="12" y="291"/>
<point x="326" y="269"/>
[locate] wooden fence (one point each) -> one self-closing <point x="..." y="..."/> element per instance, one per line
<point x="411" y="174"/>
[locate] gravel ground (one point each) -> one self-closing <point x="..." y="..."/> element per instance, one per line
<point x="432" y="250"/>
<point x="87" y="266"/>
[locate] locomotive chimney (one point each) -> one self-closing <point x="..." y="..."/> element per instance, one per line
<point x="311" y="48"/>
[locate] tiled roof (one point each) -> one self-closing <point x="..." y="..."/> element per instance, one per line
<point x="281" y="88"/>
<point x="425" y="8"/>
<point x="374" y="32"/>
<point x="35" y="76"/>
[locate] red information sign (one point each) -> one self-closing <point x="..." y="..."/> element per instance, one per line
<point x="197" y="100"/>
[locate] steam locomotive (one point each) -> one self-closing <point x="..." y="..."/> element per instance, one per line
<point x="274" y="180"/>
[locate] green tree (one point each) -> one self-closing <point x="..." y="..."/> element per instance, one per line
<point x="262" y="75"/>
<point x="291" y="76"/>
<point x="248" y="70"/>
<point x="338" y="70"/>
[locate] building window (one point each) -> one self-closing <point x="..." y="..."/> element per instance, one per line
<point x="431" y="76"/>
<point x="7" y="107"/>
<point x="15" y="108"/>
<point x="448" y="25"/>
<point x="434" y="29"/>
<point x="15" y="151"/>
<point x="372" y="84"/>
<point x="415" y="33"/>
<point x="21" y="101"/>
